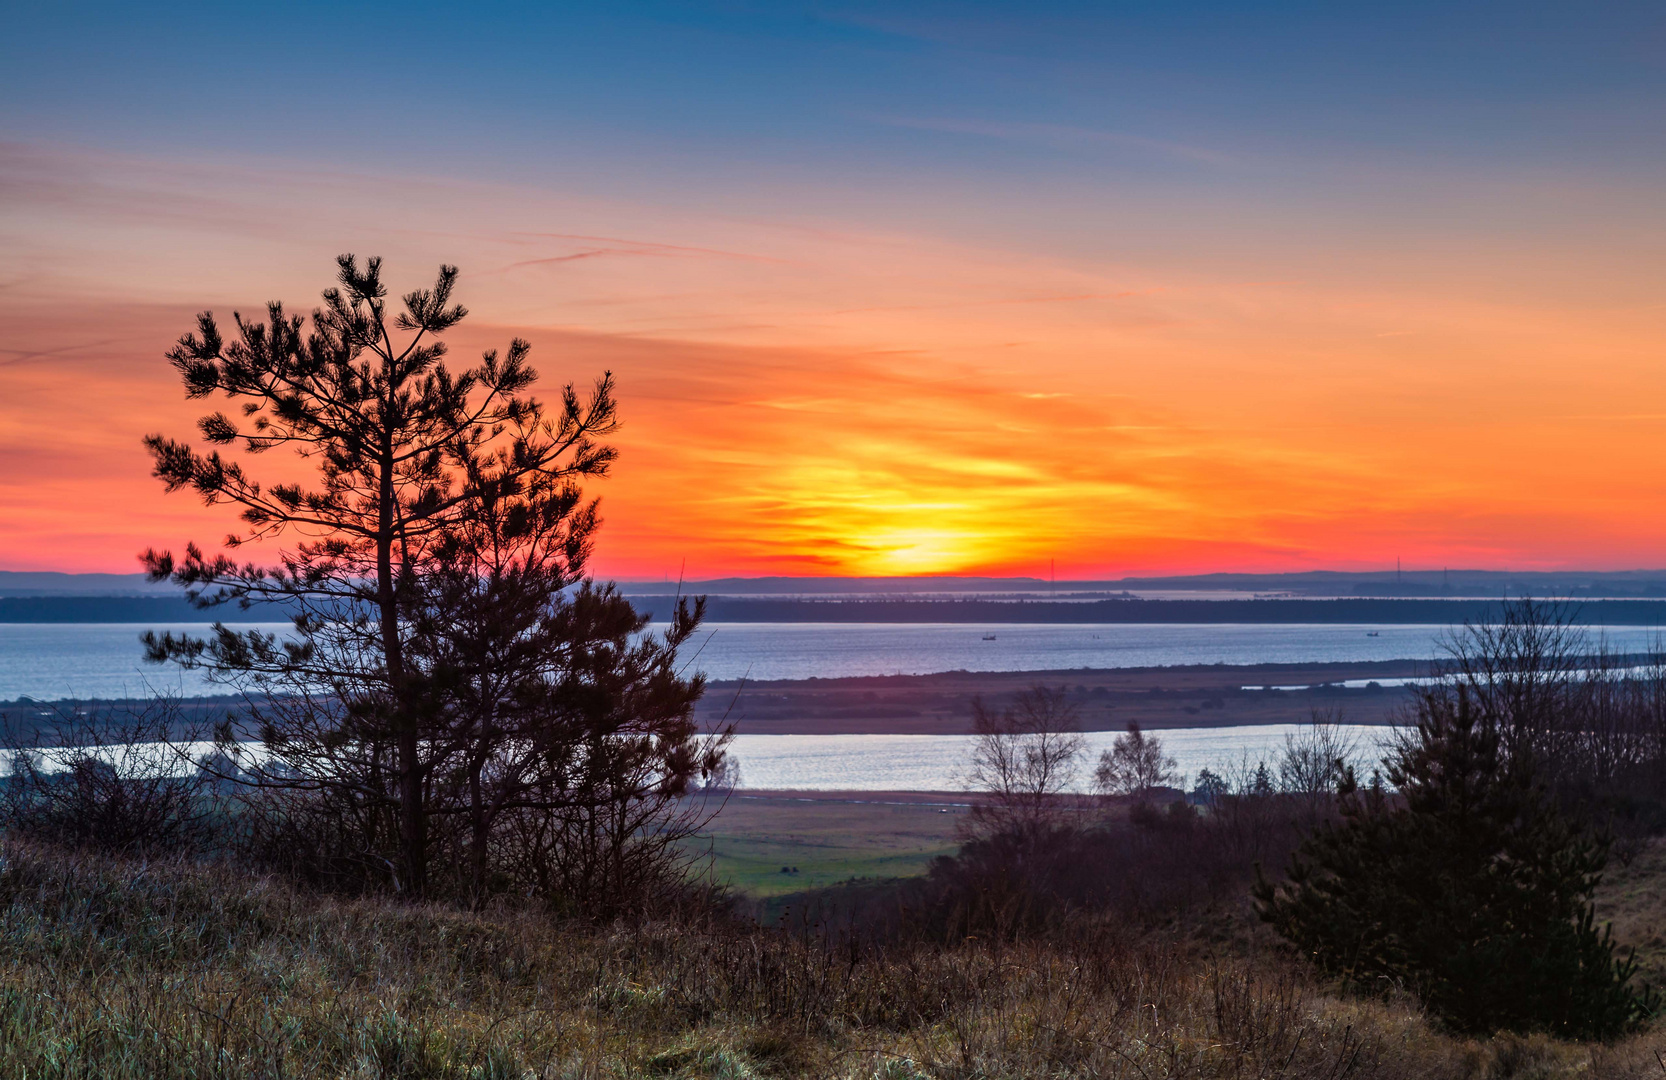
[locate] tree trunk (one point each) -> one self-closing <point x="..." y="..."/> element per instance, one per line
<point x="413" y="839"/>
<point x="477" y="854"/>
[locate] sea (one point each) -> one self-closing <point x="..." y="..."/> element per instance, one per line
<point x="54" y="661"/>
<point x="58" y="661"/>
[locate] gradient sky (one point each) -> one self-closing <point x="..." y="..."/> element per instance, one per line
<point x="893" y="288"/>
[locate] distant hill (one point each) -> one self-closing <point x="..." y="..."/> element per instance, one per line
<point x="52" y="583"/>
<point x="1640" y="584"/>
<point x="126" y="609"/>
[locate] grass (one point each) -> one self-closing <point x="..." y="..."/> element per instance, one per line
<point x="121" y="970"/>
<point x="825" y="841"/>
<point x="1633" y="899"/>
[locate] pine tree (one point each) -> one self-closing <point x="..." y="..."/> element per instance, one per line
<point x="411" y="458"/>
<point x="1469" y="889"/>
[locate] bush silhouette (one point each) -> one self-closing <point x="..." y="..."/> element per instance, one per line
<point x="1469" y="888"/>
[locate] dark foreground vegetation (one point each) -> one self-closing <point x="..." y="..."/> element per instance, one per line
<point x="119" y="969"/>
<point x="465" y="840"/>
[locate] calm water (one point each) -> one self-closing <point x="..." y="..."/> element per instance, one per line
<point x="833" y="650"/>
<point x="48" y="661"/>
<point x="900" y="762"/>
<point x="938" y="762"/>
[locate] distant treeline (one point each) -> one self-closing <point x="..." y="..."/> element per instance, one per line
<point x="1360" y="610"/>
<point x="138" y="609"/>
<point x="1456" y="583"/>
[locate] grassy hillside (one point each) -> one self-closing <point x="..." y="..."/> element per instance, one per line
<point x="1633" y="899"/>
<point x="118" y="970"/>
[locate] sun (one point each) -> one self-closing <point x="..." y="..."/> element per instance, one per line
<point x="909" y="551"/>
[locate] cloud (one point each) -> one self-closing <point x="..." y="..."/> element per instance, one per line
<point x="643" y="247"/>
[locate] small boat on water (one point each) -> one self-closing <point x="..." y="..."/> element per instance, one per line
<point x="1373" y="633"/>
<point x="989" y="637"/>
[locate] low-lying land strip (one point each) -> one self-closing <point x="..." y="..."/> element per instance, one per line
<point x="1108" y="699"/>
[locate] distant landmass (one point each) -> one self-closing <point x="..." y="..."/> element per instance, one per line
<point x="1433" y="584"/>
<point x="902" y="609"/>
<point x="53" y="583"/>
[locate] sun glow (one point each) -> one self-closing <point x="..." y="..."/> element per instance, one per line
<point x="918" y="551"/>
<point x="858" y="403"/>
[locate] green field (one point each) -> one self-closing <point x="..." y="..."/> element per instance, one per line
<point x="825" y="841"/>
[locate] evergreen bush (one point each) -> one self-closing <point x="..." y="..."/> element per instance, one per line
<point x="1468" y="887"/>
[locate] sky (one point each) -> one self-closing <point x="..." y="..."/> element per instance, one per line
<point x="892" y="288"/>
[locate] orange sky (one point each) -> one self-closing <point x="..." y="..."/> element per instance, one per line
<point x="840" y="393"/>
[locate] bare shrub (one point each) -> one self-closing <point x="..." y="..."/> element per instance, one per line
<point x="108" y="779"/>
<point x="1592" y="720"/>
<point x="323" y="837"/>
<point x="1315" y="759"/>
<point x="1024" y="764"/>
<point x="1521" y="673"/>
<point x="1135" y="765"/>
<point x="623" y="849"/>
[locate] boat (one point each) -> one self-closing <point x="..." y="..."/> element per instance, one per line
<point x="1373" y="633"/>
<point x="989" y="637"/>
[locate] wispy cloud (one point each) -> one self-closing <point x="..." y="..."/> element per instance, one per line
<point x="23" y="356"/>
<point x="602" y="246"/>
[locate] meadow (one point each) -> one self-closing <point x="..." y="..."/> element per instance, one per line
<point x="825" y="838"/>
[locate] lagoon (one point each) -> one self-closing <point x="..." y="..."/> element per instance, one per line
<point x="929" y="763"/>
<point x="938" y="762"/>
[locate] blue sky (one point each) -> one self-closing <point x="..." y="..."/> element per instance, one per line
<point x="1177" y="130"/>
<point x="886" y="89"/>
